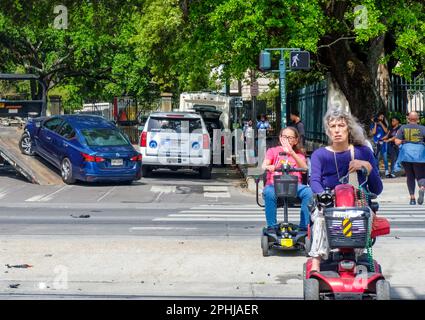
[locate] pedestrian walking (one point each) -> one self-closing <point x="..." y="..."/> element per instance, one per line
<point x="299" y="125"/>
<point x="410" y="138"/>
<point x="379" y="128"/>
<point x="392" y="148"/>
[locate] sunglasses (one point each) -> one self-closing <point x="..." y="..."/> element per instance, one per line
<point x="288" y="137"/>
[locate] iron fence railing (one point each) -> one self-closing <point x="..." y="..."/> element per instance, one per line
<point x="311" y="102"/>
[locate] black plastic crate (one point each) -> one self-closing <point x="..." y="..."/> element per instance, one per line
<point x="344" y="230"/>
<point x="286" y="185"/>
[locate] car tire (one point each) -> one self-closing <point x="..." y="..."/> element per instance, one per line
<point x="146" y="171"/>
<point x="25" y="144"/>
<point x="66" y="171"/>
<point x="205" y="172"/>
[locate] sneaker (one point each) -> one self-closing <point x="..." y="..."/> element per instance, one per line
<point x="388" y="176"/>
<point x="421" y="196"/>
<point x="412" y="202"/>
<point x="393" y="175"/>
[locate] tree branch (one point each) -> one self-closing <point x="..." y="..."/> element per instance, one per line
<point x="332" y="43"/>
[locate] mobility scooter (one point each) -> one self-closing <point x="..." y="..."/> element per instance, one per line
<point x="349" y="272"/>
<point x="287" y="236"/>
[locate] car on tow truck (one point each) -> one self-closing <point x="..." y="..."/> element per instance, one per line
<point x="84" y="147"/>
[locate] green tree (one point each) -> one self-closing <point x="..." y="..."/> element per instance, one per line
<point x="93" y="55"/>
<point x="347" y="42"/>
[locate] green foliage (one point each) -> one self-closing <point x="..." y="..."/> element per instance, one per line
<point x="142" y="47"/>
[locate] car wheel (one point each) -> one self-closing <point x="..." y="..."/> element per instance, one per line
<point x="146" y="171"/>
<point x="205" y="172"/>
<point x="25" y="144"/>
<point x="383" y="289"/>
<point x="311" y="289"/>
<point x="66" y="171"/>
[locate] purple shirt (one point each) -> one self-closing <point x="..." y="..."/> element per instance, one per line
<point x="324" y="173"/>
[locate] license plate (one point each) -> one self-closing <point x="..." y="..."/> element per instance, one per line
<point x="117" y="162"/>
<point x="287" y="243"/>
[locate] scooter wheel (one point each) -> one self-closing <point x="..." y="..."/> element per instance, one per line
<point x="311" y="289"/>
<point x="383" y="289"/>
<point x="265" y="245"/>
<point x="307" y="246"/>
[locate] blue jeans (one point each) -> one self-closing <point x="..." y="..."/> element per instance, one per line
<point x="381" y="149"/>
<point x="304" y="193"/>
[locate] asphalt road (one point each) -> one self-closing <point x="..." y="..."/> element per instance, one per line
<point x="168" y="236"/>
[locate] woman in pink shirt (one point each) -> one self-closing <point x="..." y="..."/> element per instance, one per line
<point x="288" y="151"/>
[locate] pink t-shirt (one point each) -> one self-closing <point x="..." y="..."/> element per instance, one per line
<point x="273" y="155"/>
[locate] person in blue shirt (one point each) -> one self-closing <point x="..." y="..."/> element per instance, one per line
<point x="263" y="124"/>
<point x="379" y="129"/>
<point x="411" y="139"/>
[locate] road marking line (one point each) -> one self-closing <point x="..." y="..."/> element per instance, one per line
<point x="36" y="198"/>
<point x="216" y="189"/>
<point x="49" y="197"/>
<point x="106" y="194"/>
<point x="220" y="215"/>
<point x="211" y="219"/>
<point x="406" y="229"/>
<point x="160" y="228"/>
<point x="163" y="189"/>
<point x="216" y="194"/>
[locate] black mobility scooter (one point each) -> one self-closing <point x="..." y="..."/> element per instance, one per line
<point x="287" y="236"/>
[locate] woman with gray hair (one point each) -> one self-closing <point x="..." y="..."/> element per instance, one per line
<point x="348" y="152"/>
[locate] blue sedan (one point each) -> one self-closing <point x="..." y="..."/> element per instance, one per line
<point x="83" y="147"/>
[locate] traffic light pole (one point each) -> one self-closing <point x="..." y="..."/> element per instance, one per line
<point x="282" y="82"/>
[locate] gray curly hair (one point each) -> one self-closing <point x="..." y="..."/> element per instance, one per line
<point x="357" y="135"/>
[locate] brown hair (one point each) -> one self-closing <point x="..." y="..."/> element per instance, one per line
<point x="297" y="148"/>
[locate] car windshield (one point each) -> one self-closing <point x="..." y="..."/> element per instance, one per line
<point x="104" y="137"/>
<point x="174" y="125"/>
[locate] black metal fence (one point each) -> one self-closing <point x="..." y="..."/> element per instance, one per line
<point x="405" y="96"/>
<point x="311" y="101"/>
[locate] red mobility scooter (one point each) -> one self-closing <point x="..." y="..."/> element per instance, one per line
<point x="349" y="272"/>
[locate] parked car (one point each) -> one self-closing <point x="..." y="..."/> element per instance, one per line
<point x="83" y="147"/>
<point x="211" y="117"/>
<point x="175" y="140"/>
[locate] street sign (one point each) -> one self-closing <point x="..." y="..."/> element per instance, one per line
<point x="254" y="89"/>
<point x="300" y="60"/>
<point x="238" y="102"/>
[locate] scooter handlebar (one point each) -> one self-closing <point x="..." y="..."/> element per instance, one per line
<point x="288" y="168"/>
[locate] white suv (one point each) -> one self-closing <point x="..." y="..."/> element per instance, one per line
<point x="175" y="140"/>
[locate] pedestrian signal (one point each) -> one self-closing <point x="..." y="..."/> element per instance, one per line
<point x="300" y="60"/>
<point x="265" y="60"/>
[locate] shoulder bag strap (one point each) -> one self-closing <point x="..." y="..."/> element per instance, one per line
<point x="353" y="178"/>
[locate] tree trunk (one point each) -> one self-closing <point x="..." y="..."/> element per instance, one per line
<point x="354" y="79"/>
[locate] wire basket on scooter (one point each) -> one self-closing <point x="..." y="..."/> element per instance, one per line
<point x="347" y="227"/>
<point x="285" y="185"/>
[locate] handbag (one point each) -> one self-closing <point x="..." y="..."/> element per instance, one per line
<point x="380" y="227"/>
